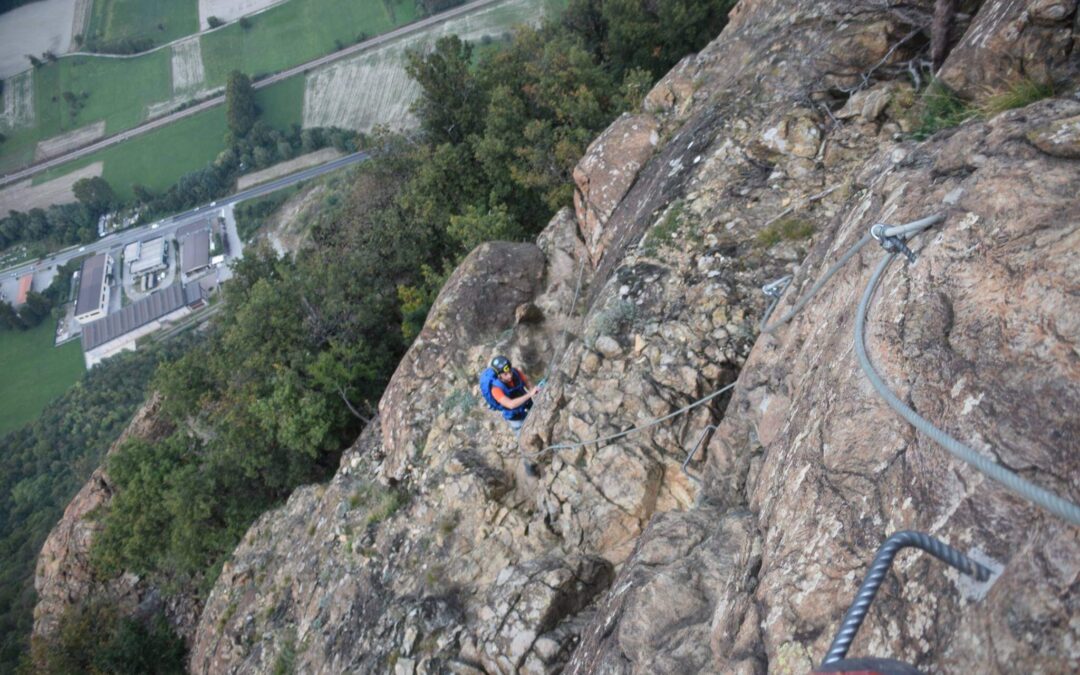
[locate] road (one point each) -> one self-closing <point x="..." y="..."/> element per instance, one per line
<point x="379" y="40"/>
<point x="168" y="226"/>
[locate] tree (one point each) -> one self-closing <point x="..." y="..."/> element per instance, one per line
<point x="214" y="21"/>
<point x="143" y="195"/>
<point x="35" y="310"/>
<point x="240" y="110"/>
<point x="95" y="194"/>
<point x="35" y="61"/>
<point x="9" y="318"/>
<point x="450" y="102"/>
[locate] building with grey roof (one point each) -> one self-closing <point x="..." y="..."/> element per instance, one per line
<point x="93" y="301"/>
<point x="118" y="332"/>
<point x="195" y="252"/>
<point x="194" y="241"/>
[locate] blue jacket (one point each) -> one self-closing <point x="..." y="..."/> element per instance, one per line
<point x="489" y="379"/>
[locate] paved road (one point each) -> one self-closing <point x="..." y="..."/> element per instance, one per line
<point x="167" y="226"/>
<point x="265" y="82"/>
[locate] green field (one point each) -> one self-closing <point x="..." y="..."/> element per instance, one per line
<point x="282" y="104"/>
<point x="162" y="20"/>
<point x="120" y="90"/>
<point x="298" y="31"/>
<point x="116" y="90"/>
<point x="35" y="373"/>
<point x="157" y="159"/>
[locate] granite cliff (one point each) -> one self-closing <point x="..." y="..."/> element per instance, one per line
<point x="768" y="153"/>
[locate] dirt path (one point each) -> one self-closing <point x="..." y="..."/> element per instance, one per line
<point x="285" y="168"/>
<point x="25" y="195"/>
<point x="59" y="145"/>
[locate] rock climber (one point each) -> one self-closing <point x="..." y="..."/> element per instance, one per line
<point x="507" y="390"/>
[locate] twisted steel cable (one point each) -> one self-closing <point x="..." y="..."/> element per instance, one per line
<point x="855" y="615"/>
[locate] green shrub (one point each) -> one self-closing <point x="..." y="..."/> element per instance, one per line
<point x="785" y="229"/>
<point x="614" y="320"/>
<point x="93" y="638"/>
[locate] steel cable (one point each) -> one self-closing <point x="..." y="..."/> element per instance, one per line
<point x="1044" y="498"/>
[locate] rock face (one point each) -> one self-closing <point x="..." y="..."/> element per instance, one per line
<point x="478" y="301"/>
<point x="732" y="536"/>
<point x="1014" y="40"/>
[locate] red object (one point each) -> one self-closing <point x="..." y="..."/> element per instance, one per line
<point x="25" y="285"/>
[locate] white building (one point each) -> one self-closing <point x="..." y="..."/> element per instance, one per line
<point x="145" y="257"/>
<point x="93" y="302"/>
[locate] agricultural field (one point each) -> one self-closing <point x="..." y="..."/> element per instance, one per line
<point x="33" y="29"/>
<point x="229" y="10"/>
<point x="159" y="20"/>
<point x="25" y="195"/>
<point x="35" y="373"/>
<point x="188" y="72"/>
<point x="298" y="31"/>
<point x="372" y="88"/>
<point x="359" y="93"/>
<point x="157" y="159"/>
<point x="78" y="91"/>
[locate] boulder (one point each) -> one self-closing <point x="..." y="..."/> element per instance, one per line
<point x="606" y="173"/>
<point x="521" y="627"/>
<point x="478" y="301"/>
<point x="1008" y="42"/>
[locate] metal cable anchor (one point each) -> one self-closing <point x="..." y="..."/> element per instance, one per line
<point x="775" y="289"/>
<point x="891" y="244"/>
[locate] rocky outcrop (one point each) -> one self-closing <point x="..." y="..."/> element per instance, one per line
<point x="607" y="171"/>
<point x="732" y="536"/>
<point x="1012" y="41"/>
<point x="478" y="301"/>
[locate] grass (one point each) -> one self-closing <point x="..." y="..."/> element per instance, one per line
<point x="282" y="105"/>
<point x="120" y="90"/>
<point x="664" y="232"/>
<point x="160" y="20"/>
<point x="157" y="159"/>
<point x="1022" y="93"/>
<point x="379" y="503"/>
<point x="942" y="108"/>
<point x="34" y="373"/>
<point x="295" y="32"/>
<point x="117" y="90"/>
<point x="786" y="229"/>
